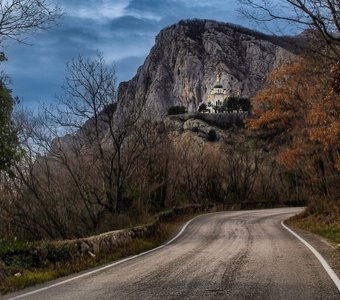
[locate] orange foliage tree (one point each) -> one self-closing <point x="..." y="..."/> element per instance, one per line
<point x="300" y="106"/>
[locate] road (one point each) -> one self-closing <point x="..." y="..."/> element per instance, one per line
<point x="227" y="255"/>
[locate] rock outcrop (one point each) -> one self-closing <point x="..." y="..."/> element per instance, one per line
<point x="182" y="66"/>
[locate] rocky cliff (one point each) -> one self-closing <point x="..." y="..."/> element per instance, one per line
<point x="182" y="65"/>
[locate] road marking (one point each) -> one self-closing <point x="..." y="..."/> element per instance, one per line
<point x="323" y="262"/>
<point x="105" y="267"/>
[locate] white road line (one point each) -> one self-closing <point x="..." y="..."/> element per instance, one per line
<point x="105" y="267"/>
<point x="323" y="262"/>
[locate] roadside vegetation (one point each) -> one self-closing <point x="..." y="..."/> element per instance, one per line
<point x="300" y="109"/>
<point x="20" y="267"/>
<point x="114" y="167"/>
<point x="324" y="222"/>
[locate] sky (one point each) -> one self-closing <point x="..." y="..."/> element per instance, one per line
<point x="123" y="30"/>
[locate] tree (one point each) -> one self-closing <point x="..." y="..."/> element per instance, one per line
<point x="244" y="104"/>
<point x="106" y="134"/>
<point x="8" y="138"/>
<point x="300" y="107"/>
<point x="105" y="163"/>
<point x="240" y="172"/>
<point x="322" y="16"/>
<point x="212" y="136"/>
<point x="202" y="108"/>
<point x="19" y="17"/>
<point x="177" y="110"/>
<point x="232" y="104"/>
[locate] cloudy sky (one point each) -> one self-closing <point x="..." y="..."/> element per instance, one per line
<point x="124" y="30"/>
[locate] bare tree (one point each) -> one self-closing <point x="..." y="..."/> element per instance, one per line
<point x="320" y="15"/>
<point x="18" y="17"/>
<point x="37" y="206"/>
<point x="106" y="133"/>
<point x="105" y="163"/>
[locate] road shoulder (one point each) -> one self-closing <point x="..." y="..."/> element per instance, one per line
<point x="330" y="251"/>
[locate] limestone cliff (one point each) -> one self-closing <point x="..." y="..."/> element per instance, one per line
<point x="182" y="65"/>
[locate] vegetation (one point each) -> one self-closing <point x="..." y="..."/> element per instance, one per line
<point x="177" y="110"/>
<point x="326" y="223"/>
<point x="19" y="17"/>
<point x="202" y="108"/>
<point x="299" y="109"/>
<point x="236" y="104"/>
<point x="322" y="17"/>
<point x="212" y="137"/>
<point x="8" y="138"/>
<point x="23" y="269"/>
<point x="115" y="168"/>
<point x="230" y="104"/>
<point x="105" y="177"/>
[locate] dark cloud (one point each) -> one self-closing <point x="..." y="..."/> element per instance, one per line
<point x="133" y="24"/>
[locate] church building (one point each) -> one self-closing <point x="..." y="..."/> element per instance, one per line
<point x="217" y="95"/>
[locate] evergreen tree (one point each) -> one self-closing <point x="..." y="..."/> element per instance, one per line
<point x="8" y="138"/>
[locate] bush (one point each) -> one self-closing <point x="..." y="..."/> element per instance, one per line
<point x="177" y="110"/>
<point x="57" y="253"/>
<point x="212" y="136"/>
<point x="202" y="108"/>
<point x="17" y="253"/>
<point x="237" y="103"/>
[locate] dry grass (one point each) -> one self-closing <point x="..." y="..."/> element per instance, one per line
<point x="320" y="217"/>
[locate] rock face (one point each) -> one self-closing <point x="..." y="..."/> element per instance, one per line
<point x="182" y="66"/>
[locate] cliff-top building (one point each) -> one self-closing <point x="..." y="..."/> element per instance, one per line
<point x="220" y="101"/>
<point x="217" y="95"/>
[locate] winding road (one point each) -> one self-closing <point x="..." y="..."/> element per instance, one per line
<point x="226" y="255"/>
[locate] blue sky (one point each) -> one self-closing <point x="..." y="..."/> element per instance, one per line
<point x="124" y="30"/>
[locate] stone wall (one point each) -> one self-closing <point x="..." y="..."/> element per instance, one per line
<point x="109" y="242"/>
<point x="221" y="120"/>
<point x="106" y="242"/>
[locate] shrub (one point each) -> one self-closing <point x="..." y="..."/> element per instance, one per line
<point x="202" y="108"/>
<point x="58" y="253"/>
<point x="17" y="254"/>
<point x="177" y="110"/>
<point x="212" y="136"/>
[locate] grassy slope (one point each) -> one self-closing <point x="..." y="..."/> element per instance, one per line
<point x="322" y="218"/>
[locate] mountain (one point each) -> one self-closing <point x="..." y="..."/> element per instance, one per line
<point x="182" y="66"/>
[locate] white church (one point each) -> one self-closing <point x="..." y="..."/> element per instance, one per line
<point x="218" y="94"/>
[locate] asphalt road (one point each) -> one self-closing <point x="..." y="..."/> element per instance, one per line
<point x="227" y="255"/>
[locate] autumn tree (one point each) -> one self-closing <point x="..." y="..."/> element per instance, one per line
<point x="300" y="107"/>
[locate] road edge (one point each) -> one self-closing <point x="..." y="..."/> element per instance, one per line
<point x="323" y="262"/>
<point x="106" y="266"/>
